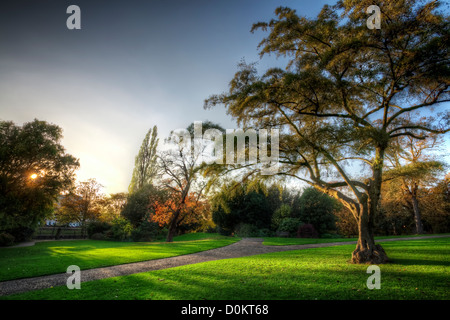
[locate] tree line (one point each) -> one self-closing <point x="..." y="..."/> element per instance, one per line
<point x="169" y="194"/>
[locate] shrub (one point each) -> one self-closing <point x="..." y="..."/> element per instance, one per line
<point x="290" y="225"/>
<point x="224" y="231"/>
<point x="307" y="231"/>
<point x="265" y="233"/>
<point x="6" y="239"/>
<point x="211" y="229"/>
<point x="281" y="213"/>
<point x="121" y="229"/>
<point x="95" y="227"/>
<point x="147" y="231"/>
<point x="22" y="233"/>
<point x="98" y="236"/>
<point x="247" y="230"/>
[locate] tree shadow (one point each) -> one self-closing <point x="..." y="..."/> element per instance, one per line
<point x="420" y="262"/>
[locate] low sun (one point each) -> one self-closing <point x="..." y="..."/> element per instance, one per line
<point x="33" y="176"/>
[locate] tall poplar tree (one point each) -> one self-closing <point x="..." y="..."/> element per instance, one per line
<point x="145" y="165"/>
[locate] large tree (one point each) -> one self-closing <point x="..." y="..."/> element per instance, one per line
<point x="182" y="163"/>
<point x="345" y="94"/>
<point x="34" y="169"/>
<point x="145" y="167"/>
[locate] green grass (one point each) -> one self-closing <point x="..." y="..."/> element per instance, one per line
<point x="198" y="236"/>
<point x="277" y="241"/>
<point x="55" y="256"/>
<point x="419" y="270"/>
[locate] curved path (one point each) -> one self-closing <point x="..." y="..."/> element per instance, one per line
<point x="245" y="247"/>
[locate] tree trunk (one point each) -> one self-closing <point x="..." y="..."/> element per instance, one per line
<point x="172" y="227"/>
<point x="366" y="250"/>
<point x="417" y="216"/>
<point x="171" y="233"/>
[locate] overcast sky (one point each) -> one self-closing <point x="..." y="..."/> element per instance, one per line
<point x="133" y="65"/>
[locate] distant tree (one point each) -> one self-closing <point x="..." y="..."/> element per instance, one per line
<point x="34" y="170"/>
<point x="410" y="169"/>
<point x="138" y="207"/>
<point x="193" y="212"/>
<point x="145" y="165"/>
<point x="81" y="205"/>
<point x="317" y="208"/>
<point x="345" y="223"/>
<point x="241" y="203"/>
<point x="283" y="212"/>
<point x="181" y="165"/>
<point x="345" y="95"/>
<point x="111" y="206"/>
<point x="436" y="206"/>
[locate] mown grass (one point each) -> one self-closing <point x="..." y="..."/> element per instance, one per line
<point x="55" y="256"/>
<point x="278" y="241"/>
<point x="419" y="270"/>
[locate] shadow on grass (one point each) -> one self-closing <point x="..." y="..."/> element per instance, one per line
<point x="278" y="276"/>
<point x="419" y="262"/>
<point x="52" y="258"/>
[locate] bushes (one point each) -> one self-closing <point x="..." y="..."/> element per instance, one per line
<point x="97" y="227"/>
<point x="307" y="231"/>
<point x="22" y="233"/>
<point x="247" y="230"/>
<point x="98" y="236"/>
<point x="147" y="231"/>
<point x="120" y="230"/>
<point x="265" y="233"/>
<point x="284" y="211"/>
<point x="6" y="239"/>
<point x="290" y="225"/>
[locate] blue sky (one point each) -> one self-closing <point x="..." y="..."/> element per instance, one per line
<point x="133" y="65"/>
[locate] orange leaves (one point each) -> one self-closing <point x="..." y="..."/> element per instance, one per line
<point x="187" y="211"/>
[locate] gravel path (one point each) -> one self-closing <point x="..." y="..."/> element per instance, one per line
<point x="245" y="247"/>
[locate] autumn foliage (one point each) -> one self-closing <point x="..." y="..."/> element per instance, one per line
<point x="191" y="210"/>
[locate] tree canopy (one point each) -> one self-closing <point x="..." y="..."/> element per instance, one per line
<point x="34" y="170"/>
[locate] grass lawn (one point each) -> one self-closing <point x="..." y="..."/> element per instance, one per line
<point x="52" y="257"/>
<point x="419" y="270"/>
<point x="277" y="241"/>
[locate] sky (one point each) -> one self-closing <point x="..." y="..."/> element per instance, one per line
<point x="132" y="65"/>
